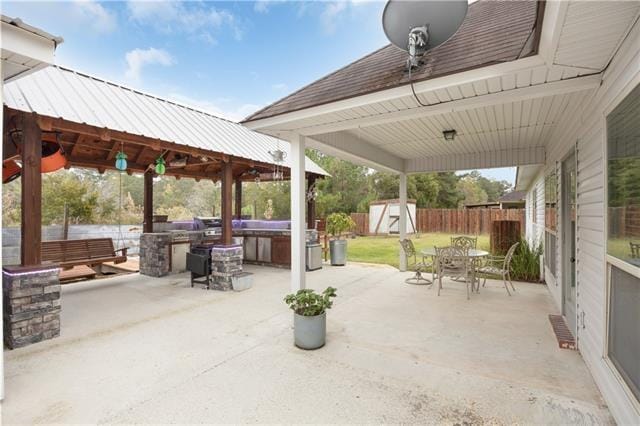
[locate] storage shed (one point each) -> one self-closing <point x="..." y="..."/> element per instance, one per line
<point x="384" y="217"/>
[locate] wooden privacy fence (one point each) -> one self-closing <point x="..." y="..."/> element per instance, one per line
<point x="452" y="221"/>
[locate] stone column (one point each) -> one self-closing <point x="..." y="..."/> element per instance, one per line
<point x="31" y="301"/>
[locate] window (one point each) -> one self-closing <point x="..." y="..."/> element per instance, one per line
<point x="623" y="238"/>
<point x="624" y="333"/>
<point x="550" y="219"/>
<point x="623" y="173"/>
<point x="550" y="253"/>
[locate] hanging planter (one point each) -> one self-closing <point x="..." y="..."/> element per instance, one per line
<point x="160" y="166"/>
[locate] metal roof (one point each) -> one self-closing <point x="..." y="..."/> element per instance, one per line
<point x="63" y="93"/>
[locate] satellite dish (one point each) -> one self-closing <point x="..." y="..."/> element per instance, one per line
<point x="418" y="26"/>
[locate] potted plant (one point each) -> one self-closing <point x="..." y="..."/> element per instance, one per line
<point x="310" y="316"/>
<point x="337" y="224"/>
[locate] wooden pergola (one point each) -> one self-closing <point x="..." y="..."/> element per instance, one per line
<point x="87" y="146"/>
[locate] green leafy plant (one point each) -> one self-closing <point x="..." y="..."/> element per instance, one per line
<point x="338" y="223"/>
<point x="308" y="303"/>
<point x="525" y="265"/>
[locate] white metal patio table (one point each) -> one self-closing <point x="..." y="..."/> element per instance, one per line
<point x="474" y="254"/>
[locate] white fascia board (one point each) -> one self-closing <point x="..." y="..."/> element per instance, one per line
<point x="350" y="148"/>
<point x="525" y="176"/>
<point x="555" y="13"/>
<point x="457" y="79"/>
<point x="477" y="160"/>
<point x="530" y="92"/>
<point x="26" y="43"/>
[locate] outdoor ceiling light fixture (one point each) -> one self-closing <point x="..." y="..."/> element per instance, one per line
<point x="449" y="135"/>
<point x="160" y="166"/>
<point x="121" y="159"/>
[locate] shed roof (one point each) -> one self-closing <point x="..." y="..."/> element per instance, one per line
<point x="61" y="93"/>
<point x="493" y="32"/>
<point x="513" y="196"/>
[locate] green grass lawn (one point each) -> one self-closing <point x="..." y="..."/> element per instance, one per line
<point x="386" y="249"/>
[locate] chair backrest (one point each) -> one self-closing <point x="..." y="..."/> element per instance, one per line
<point x="635" y="249"/>
<point x="77" y="250"/>
<point x="464" y="242"/>
<point x="408" y="247"/>
<point x="101" y="247"/>
<point x="509" y="256"/>
<point x="452" y="259"/>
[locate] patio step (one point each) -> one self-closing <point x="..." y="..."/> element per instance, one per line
<point x="563" y="334"/>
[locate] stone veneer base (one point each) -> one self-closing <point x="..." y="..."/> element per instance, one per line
<point x="31" y="304"/>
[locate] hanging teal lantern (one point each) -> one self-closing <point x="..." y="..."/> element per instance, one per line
<point x="121" y="161"/>
<point x="160" y="166"/>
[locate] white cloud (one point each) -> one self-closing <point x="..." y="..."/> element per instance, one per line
<point x="279" y="86"/>
<point x="139" y="58"/>
<point x="100" y="19"/>
<point x="261" y="6"/>
<point x="221" y="107"/>
<point x="196" y="18"/>
<point x="330" y="14"/>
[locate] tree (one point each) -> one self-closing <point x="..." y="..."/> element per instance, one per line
<point x="73" y="189"/>
<point x="346" y="188"/>
<point x="472" y="192"/>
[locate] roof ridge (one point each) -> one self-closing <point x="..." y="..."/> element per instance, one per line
<point x="140" y="92"/>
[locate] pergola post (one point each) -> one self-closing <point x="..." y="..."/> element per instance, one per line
<point x="298" y="201"/>
<point x="227" y="211"/>
<point x="31" y="179"/>
<point x="238" y="186"/>
<point x="311" y="205"/>
<point x="402" y="223"/>
<point x="147" y="222"/>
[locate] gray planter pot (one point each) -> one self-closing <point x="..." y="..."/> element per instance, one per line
<point x="338" y="252"/>
<point x="309" y="332"/>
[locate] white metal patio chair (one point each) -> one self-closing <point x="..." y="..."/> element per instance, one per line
<point x="455" y="263"/>
<point x="500" y="266"/>
<point x="464" y="242"/>
<point x="419" y="267"/>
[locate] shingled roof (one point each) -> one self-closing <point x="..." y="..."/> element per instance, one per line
<point x="494" y="31"/>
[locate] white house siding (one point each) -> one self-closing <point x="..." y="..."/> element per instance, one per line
<point x="585" y="130"/>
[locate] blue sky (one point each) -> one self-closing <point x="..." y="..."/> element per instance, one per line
<point x="229" y="58"/>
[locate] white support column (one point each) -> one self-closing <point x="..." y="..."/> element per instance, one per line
<point x="402" y="223"/>
<point x="298" y="220"/>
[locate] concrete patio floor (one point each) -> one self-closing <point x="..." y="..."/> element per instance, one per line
<point x="142" y="350"/>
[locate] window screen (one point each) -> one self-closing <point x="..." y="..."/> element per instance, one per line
<point x="624" y="329"/>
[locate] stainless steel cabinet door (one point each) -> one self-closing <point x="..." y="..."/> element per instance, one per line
<point x="264" y="249"/>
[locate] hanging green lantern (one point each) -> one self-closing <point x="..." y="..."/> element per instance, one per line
<point x="160" y="166"/>
<point x="121" y="161"/>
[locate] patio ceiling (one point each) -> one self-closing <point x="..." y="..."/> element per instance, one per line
<point x="503" y="113"/>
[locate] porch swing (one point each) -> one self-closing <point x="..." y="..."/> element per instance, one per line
<point x="92" y="252"/>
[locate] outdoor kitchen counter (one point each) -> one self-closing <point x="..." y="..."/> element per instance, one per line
<point x="270" y="247"/>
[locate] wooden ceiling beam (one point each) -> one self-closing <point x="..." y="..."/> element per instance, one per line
<point x="133" y="167"/>
<point x="78" y="143"/>
<point x="115" y="148"/>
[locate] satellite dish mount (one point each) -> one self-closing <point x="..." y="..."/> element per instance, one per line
<point x="417" y="45"/>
